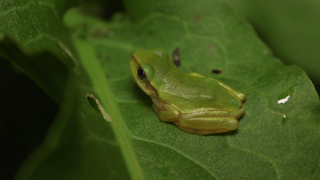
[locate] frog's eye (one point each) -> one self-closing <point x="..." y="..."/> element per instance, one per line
<point x="141" y="74"/>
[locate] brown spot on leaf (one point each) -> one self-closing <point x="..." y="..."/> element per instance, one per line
<point x="99" y="55"/>
<point x="146" y="112"/>
<point x="100" y="32"/>
<point x="176" y="58"/>
<point x="197" y="19"/>
<point x="211" y="49"/>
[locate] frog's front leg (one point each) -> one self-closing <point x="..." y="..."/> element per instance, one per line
<point x="210" y="122"/>
<point x="167" y="112"/>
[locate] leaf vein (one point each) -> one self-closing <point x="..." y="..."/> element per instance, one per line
<point x="180" y="152"/>
<point x="257" y="154"/>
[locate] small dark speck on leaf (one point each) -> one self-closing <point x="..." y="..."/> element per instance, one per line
<point x="211" y="49"/>
<point x="83" y="31"/>
<point x="146" y="112"/>
<point x="150" y="33"/>
<point x="216" y="71"/>
<point x="176" y="58"/>
<point x="197" y="19"/>
<point x="36" y="2"/>
<point x="99" y="33"/>
<point x="99" y="55"/>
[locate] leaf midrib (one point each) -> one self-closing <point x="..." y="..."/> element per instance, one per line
<point x="106" y="97"/>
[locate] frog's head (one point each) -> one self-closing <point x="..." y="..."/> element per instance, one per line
<point x="146" y="66"/>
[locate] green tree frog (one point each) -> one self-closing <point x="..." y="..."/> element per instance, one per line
<point x="196" y="104"/>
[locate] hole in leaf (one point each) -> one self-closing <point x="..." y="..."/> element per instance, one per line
<point x="94" y="102"/>
<point x="216" y="71"/>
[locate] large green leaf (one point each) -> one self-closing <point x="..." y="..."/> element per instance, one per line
<point x="37" y="26"/>
<point x="106" y="128"/>
<point x="290" y="27"/>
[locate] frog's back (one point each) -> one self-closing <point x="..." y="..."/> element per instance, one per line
<point x="193" y="92"/>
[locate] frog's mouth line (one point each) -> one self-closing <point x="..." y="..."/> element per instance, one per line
<point x="152" y="92"/>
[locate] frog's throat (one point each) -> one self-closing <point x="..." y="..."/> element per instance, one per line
<point x="148" y="88"/>
<point x="153" y="94"/>
<point x="151" y="91"/>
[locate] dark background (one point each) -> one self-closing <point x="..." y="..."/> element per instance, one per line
<point x="25" y="116"/>
<point x="26" y="112"/>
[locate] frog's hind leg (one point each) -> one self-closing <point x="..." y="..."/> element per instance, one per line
<point x="208" y="125"/>
<point x="200" y="132"/>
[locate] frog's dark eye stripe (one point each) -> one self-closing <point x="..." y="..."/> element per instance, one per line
<point x="141" y="73"/>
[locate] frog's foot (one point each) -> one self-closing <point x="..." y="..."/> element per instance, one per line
<point x="170" y="114"/>
<point x="208" y="125"/>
